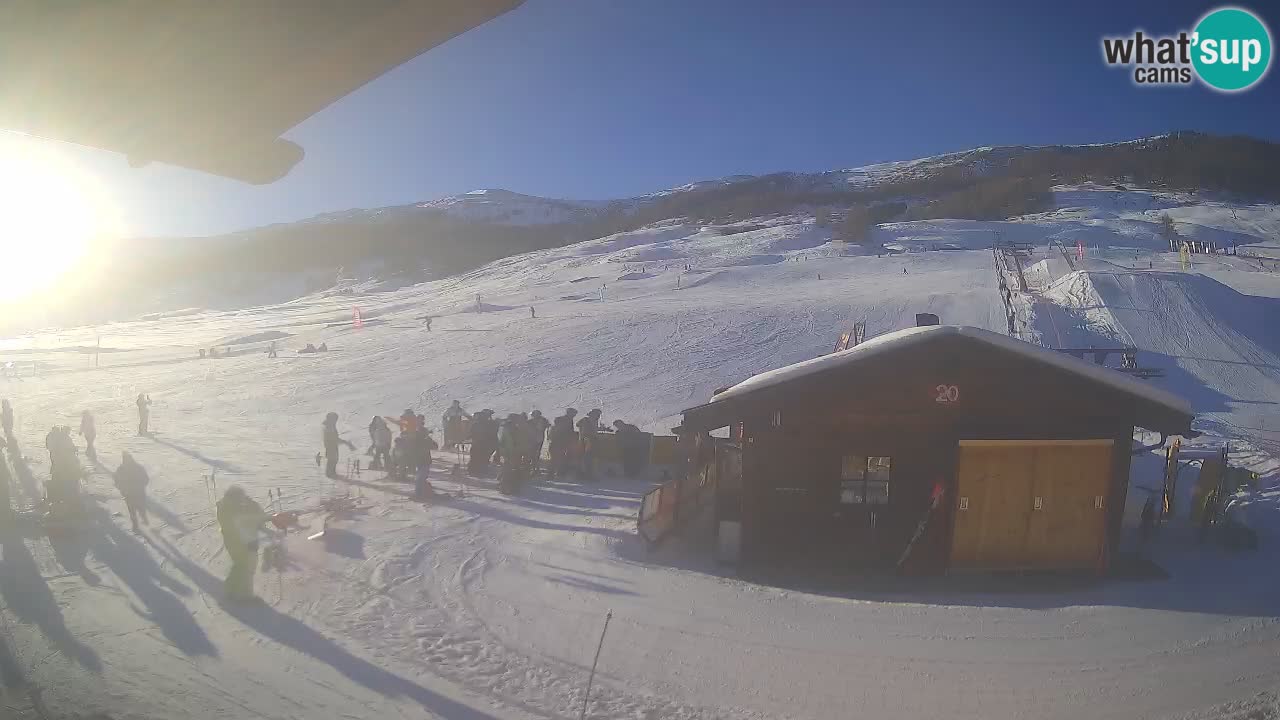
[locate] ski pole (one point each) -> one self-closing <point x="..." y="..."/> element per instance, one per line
<point x="591" y="678"/>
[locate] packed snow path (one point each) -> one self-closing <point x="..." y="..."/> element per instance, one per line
<point x="488" y="606"/>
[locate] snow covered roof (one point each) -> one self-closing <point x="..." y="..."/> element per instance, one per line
<point x="903" y="339"/>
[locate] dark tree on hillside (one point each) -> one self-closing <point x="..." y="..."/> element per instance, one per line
<point x="856" y="227"/>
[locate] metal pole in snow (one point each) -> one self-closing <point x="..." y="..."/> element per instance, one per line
<point x="591" y="678"/>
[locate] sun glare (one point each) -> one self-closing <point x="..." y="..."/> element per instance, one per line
<point x="51" y="215"/>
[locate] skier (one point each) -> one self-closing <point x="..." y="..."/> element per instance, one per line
<point x="380" y="444"/>
<point x="588" y="429"/>
<point x="428" y="319"/>
<point x="484" y="440"/>
<point x="89" y="432"/>
<point x="396" y="467"/>
<point x="532" y="313"/>
<point x="453" y="423"/>
<point x="561" y="437"/>
<point x="407" y="422"/>
<point x="629" y="447"/>
<point x="144" y="413"/>
<point x="424" y="444"/>
<point x="6" y="482"/>
<point x="62" y="490"/>
<point x="538" y="426"/>
<point x="331" y="442"/>
<point x="6" y="418"/>
<point x="239" y="518"/>
<point x="271" y="351"/>
<point x="510" y="441"/>
<point x="131" y="480"/>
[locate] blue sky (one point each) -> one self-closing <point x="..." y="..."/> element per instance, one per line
<point x="604" y="98"/>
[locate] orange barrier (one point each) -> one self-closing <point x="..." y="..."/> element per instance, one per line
<point x="664" y="507"/>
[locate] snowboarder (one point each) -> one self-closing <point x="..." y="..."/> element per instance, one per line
<point x="239" y="519"/>
<point x="428" y="320"/>
<point x="6" y="418"/>
<point x="538" y="426"/>
<point x="131" y="480"/>
<point x="89" y="432"/>
<point x="588" y="429"/>
<point x="904" y="271"/>
<point x="271" y="351"/>
<point x="453" y="422"/>
<point x="510" y="441"/>
<point x="562" y="439"/>
<point x="380" y="439"/>
<point x="144" y="413"/>
<point x="331" y="442"/>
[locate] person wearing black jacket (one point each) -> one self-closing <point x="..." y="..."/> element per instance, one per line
<point x="131" y="480"/>
<point x="561" y="439"/>
<point x="484" y="440"/>
<point x="329" y="435"/>
<point x="588" y="429"/>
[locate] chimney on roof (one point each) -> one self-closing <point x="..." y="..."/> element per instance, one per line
<point x="926" y="319"/>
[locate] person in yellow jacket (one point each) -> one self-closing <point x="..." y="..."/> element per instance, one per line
<point x="239" y="518"/>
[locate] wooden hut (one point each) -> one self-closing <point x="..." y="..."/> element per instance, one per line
<point x="931" y="449"/>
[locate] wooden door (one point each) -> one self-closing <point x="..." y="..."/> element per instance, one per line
<point x="993" y="505"/>
<point x="1073" y="483"/>
<point x="1030" y="504"/>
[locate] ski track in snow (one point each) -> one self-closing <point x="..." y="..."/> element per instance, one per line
<point x="491" y="607"/>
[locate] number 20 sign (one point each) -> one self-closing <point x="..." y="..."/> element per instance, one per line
<point x="946" y="394"/>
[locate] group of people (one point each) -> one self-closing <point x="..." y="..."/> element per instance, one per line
<point x="407" y="456"/>
<point x="63" y="494"/>
<point x="516" y="443"/>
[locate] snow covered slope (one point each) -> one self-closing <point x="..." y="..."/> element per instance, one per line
<point x="490" y="606"/>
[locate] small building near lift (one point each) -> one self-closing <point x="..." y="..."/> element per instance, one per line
<point x="931" y="449"/>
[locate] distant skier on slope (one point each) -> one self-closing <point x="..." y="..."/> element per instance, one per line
<point x="89" y="432"/>
<point x="131" y="480"/>
<point x="144" y="413"/>
<point x="239" y="519"/>
<point x="331" y="440"/>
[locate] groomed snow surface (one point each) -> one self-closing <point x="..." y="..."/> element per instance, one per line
<point x="488" y="606"/>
